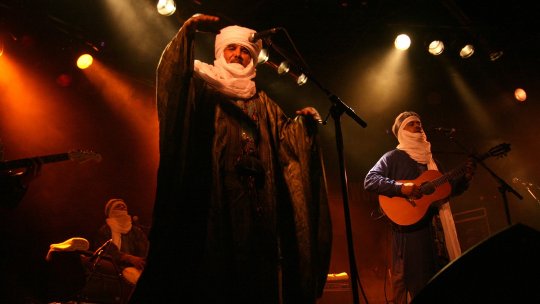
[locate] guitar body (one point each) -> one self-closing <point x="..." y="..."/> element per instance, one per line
<point x="406" y="212"/>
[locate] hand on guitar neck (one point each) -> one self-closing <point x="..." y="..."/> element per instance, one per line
<point x="414" y="191"/>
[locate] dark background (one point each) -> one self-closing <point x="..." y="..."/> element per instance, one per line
<point x="348" y="49"/>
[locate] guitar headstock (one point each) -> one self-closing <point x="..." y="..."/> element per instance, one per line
<point x="499" y="150"/>
<point x="82" y="156"/>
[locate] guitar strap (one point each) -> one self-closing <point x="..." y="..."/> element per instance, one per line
<point x="447" y="221"/>
<point x="450" y="233"/>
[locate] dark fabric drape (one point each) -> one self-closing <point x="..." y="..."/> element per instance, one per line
<point x="219" y="233"/>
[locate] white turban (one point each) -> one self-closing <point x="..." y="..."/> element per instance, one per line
<point x="233" y="79"/>
<point x="235" y="34"/>
<point x="414" y="144"/>
<point x="399" y="120"/>
<point x="118" y="220"/>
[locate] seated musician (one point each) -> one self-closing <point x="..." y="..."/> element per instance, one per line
<point x="128" y="243"/>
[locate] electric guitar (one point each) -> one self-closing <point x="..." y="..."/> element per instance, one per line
<point x="434" y="187"/>
<point x="76" y="155"/>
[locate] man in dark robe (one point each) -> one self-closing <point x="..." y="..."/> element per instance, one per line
<point x="241" y="213"/>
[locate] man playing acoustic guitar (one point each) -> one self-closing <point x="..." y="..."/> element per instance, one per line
<point x="419" y="247"/>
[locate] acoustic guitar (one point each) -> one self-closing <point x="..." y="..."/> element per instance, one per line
<point x="75" y="155"/>
<point x="434" y="187"/>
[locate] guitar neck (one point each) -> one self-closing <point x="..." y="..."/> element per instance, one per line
<point x="448" y="176"/>
<point x="27" y="162"/>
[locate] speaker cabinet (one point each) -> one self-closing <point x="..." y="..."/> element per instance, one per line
<point x="504" y="268"/>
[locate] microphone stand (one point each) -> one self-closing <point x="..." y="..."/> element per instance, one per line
<point x="336" y="111"/>
<point x="503" y="188"/>
<point x="95" y="261"/>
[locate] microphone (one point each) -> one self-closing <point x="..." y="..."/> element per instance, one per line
<point x="136" y="222"/>
<point x="445" y="130"/>
<point x="101" y="249"/>
<point x="97" y="255"/>
<point x="263" y="34"/>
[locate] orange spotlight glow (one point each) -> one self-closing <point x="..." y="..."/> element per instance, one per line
<point x="84" y="61"/>
<point x="32" y="116"/>
<point x="134" y="104"/>
<point x="520" y="95"/>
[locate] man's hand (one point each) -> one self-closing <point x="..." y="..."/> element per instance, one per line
<point x="312" y="112"/>
<point x="411" y="190"/>
<point x="192" y="23"/>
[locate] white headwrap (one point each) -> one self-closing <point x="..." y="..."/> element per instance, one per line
<point x="118" y="220"/>
<point x="233" y="80"/>
<point x="415" y="144"/>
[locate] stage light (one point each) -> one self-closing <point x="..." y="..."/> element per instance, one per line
<point x="302" y="79"/>
<point x="495" y="55"/>
<point x="520" y="94"/>
<point x="166" y="7"/>
<point x="263" y="56"/>
<point x="436" y="47"/>
<point x="283" y="68"/>
<point x="467" y="51"/>
<point x="84" y="61"/>
<point x="402" y="42"/>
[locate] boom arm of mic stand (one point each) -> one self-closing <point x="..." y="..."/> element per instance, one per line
<point x="503" y="186"/>
<point x="337" y="104"/>
<point x="342" y="107"/>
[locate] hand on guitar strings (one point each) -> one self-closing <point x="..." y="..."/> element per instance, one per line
<point x="411" y="190"/>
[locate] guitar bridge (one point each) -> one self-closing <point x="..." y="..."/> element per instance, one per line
<point x="411" y="201"/>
